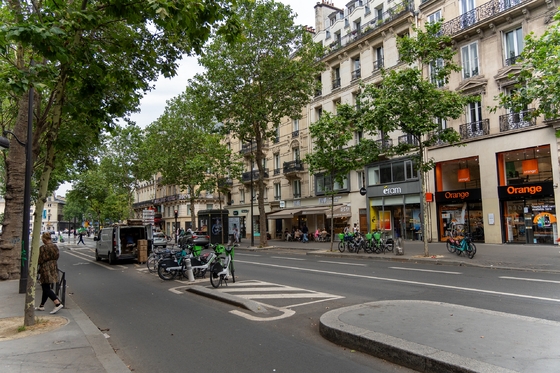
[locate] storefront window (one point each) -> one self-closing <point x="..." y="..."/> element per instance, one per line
<point x="531" y="221"/>
<point x="531" y="165"/>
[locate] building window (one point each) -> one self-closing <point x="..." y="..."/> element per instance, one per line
<point x="323" y="184"/>
<point x="434" y="68"/>
<point x="379" y="14"/>
<point x="442" y="123"/>
<point x="434" y="17"/>
<point x="356" y="70"/>
<point x="378" y="63"/>
<point x="361" y="179"/>
<point x="336" y="77"/>
<point x="296" y="153"/>
<point x="394" y="172"/>
<point x="318" y="113"/>
<point x="474" y="112"/>
<point x="277" y="192"/>
<point x="295" y="127"/>
<point x="242" y="196"/>
<point x="469" y="56"/>
<point x="513" y="41"/>
<point x="358" y="135"/>
<point x="296" y="186"/>
<point x="328" y="35"/>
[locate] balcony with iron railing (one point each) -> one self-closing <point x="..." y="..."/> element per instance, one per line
<point x="474" y="129"/>
<point x="514" y="121"/>
<point x="512" y="60"/>
<point x="297" y="195"/>
<point x="225" y="183"/>
<point x="276" y="171"/>
<point x="485" y="12"/>
<point x="293" y="167"/>
<point x="246" y="176"/>
<point x="277" y="198"/>
<point x="408" y="139"/>
<point x="384" y="144"/>
<point x="247" y="149"/>
<point x="295" y="134"/>
<point x="336" y="83"/>
<point x="391" y="14"/>
<point x="356" y="74"/>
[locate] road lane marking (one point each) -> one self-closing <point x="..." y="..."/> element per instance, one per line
<point x="254" y="289"/>
<point x="426" y="270"/>
<point x="242" y="254"/>
<point x="492" y="292"/>
<point x="86" y="257"/>
<point x="281" y="257"/>
<point x="344" y="263"/>
<point x="529" y="279"/>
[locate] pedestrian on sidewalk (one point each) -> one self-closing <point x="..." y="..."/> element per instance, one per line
<point x="81" y="239"/>
<point x="48" y="272"/>
<point x="305" y="232"/>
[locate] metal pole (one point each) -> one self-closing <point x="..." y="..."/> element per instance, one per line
<point x="252" y="223"/>
<point x="26" y="199"/>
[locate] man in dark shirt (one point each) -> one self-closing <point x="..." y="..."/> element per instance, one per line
<point x="305" y="231"/>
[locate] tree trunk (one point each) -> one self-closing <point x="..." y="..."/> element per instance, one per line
<point x="11" y="240"/>
<point x="423" y="202"/>
<point x="261" y="190"/>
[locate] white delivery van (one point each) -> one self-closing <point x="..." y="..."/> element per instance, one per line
<point x="120" y="241"/>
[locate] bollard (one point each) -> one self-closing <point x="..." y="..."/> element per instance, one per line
<point x="190" y="275"/>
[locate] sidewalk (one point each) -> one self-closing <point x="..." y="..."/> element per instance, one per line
<point x="78" y="346"/>
<point x="539" y="258"/>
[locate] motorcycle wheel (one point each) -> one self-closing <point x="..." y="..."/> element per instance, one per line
<point x="166" y="275"/>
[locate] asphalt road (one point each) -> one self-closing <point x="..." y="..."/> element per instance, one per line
<point x="156" y="326"/>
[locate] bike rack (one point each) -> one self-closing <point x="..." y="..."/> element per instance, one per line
<point x="61" y="287"/>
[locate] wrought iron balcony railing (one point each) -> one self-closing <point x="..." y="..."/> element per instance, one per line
<point x="356" y="74"/>
<point x="474" y="129"/>
<point x="408" y="139"/>
<point x="295" y="134"/>
<point x="513" y="121"/>
<point x="247" y="149"/>
<point x="478" y="14"/>
<point x="293" y="166"/>
<point x="297" y="195"/>
<point x="385" y="143"/>
<point x="511" y="61"/>
<point x="336" y="83"/>
<point x="392" y="13"/>
<point x="246" y="176"/>
<point x="276" y="171"/>
<point x="277" y="198"/>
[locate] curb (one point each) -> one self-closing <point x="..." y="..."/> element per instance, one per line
<point x="100" y="345"/>
<point x="401" y="352"/>
<point x="228" y="298"/>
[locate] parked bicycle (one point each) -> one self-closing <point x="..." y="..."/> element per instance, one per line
<point x="346" y="242"/>
<point x="463" y="245"/>
<point x="221" y="269"/>
<point x="380" y="243"/>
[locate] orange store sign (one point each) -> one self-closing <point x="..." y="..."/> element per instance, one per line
<point x="511" y="190"/>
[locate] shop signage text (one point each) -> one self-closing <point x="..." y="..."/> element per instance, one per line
<point x="390" y="191"/>
<point x="524" y="190"/>
<point x="456" y="195"/>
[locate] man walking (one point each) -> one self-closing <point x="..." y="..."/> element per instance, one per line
<point x="305" y="231"/>
<point x="81" y="239"/>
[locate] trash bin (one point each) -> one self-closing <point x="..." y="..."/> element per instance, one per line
<point x="217" y="223"/>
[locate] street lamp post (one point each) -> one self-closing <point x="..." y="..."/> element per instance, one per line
<point x="252" y="223"/>
<point x="176" y="230"/>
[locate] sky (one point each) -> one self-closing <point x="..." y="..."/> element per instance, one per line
<point x="153" y="104"/>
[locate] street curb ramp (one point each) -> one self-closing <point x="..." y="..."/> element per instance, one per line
<point x="399" y="351"/>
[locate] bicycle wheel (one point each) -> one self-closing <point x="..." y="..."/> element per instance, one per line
<point x="351" y="246"/>
<point x="152" y="263"/>
<point x="471" y="250"/>
<point x="450" y="247"/>
<point x="166" y="275"/>
<point x="232" y="271"/>
<point x="390" y="246"/>
<point x="341" y="246"/>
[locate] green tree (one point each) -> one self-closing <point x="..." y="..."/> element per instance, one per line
<point x="538" y="80"/>
<point x="267" y="75"/>
<point x="383" y="109"/>
<point x="332" y="156"/>
<point x="94" y="61"/>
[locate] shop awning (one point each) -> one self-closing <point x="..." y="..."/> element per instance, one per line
<point x="340" y="212"/>
<point x="315" y="211"/>
<point x="284" y="214"/>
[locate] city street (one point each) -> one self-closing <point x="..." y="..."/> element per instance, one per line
<point x="157" y="326"/>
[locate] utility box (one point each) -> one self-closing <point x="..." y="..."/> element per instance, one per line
<point x="216" y="223"/>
